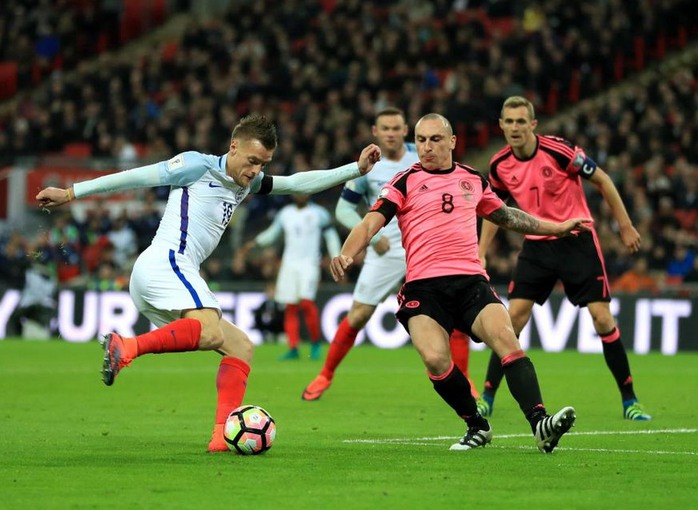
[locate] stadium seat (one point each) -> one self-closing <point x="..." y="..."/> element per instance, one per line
<point x="78" y="150"/>
<point x="688" y="218"/>
<point x="8" y="79"/>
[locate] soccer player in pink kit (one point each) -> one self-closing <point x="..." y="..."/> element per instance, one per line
<point x="544" y="175"/>
<point x="166" y="284"/>
<point x="437" y="202"/>
<point x="384" y="266"/>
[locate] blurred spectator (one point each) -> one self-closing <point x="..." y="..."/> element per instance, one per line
<point x="692" y="276"/>
<point x="269" y="316"/>
<point x="107" y="277"/>
<point x="681" y="263"/>
<point x="37" y="306"/>
<point x="215" y="273"/>
<point x="99" y="250"/>
<point x="123" y="239"/>
<point x="146" y="222"/>
<point x="636" y="279"/>
<point x="14" y="260"/>
<point x="125" y="153"/>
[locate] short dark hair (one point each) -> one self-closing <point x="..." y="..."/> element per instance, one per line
<point x="256" y="127"/>
<point x="390" y="110"/>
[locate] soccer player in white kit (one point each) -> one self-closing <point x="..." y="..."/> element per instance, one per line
<point x="384" y="265"/>
<point x="302" y="225"/>
<point x="165" y="282"/>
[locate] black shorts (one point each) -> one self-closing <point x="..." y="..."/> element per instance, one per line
<point x="576" y="261"/>
<point x="452" y="301"/>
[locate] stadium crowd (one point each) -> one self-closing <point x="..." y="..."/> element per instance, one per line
<point x="321" y="69"/>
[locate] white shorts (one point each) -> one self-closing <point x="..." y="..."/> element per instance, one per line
<point x="164" y="283"/>
<point x="297" y="280"/>
<point x="379" y="277"/>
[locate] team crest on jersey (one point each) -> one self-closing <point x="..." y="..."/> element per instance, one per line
<point x="239" y="195"/>
<point x="383" y="193"/>
<point x="467" y="189"/>
<point x="466" y="186"/>
<point x="412" y="304"/>
<point x="547" y="172"/>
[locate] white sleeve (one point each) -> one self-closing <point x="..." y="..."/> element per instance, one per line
<point x="332" y="241"/>
<point x="314" y="181"/>
<point x="181" y="170"/>
<point x="348" y="216"/>
<point x="269" y="235"/>
<point x="141" y="177"/>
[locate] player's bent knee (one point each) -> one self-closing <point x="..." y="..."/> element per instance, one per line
<point x="359" y="315"/>
<point x="211" y="338"/>
<point x="238" y="346"/>
<point x="519" y="320"/>
<point x="436" y="363"/>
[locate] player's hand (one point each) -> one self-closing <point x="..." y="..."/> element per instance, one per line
<point x="339" y="265"/>
<point x="574" y="226"/>
<point x="52" y="197"/>
<point x="382" y="245"/>
<point x="369" y="157"/>
<point x="631" y="238"/>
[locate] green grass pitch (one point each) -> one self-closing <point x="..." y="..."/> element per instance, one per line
<point x="378" y="439"/>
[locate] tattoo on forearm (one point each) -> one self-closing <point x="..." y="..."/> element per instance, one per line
<point x="516" y="220"/>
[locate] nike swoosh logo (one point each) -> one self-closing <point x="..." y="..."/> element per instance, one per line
<point x="211" y="185"/>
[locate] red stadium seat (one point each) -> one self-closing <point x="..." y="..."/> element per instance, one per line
<point x="8" y="79"/>
<point x="78" y="150"/>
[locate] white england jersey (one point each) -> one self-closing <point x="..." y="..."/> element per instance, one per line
<point x="201" y="203"/>
<point x="302" y="229"/>
<point x="368" y="187"/>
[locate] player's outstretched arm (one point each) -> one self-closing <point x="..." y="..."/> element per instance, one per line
<point x="519" y="221"/>
<point x="53" y="197"/>
<point x="628" y="234"/>
<point x="140" y="177"/>
<point x="315" y="181"/>
<point x="358" y="240"/>
<point x="347" y="215"/>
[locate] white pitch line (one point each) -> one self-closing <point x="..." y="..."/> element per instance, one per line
<point x="420" y="441"/>
<point x="510" y="436"/>
<point x="600" y="450"/>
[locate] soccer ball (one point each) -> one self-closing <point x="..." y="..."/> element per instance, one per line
<point x="249" y="430"/>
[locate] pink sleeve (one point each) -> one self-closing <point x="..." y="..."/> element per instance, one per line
<point x="489" y="202"/>
<point x="391" y="193"/>
<point x="576" y="162"/>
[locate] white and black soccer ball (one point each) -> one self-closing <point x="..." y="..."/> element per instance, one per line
<point x="249" y="430"/>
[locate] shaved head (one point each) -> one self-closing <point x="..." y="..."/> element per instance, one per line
<point x="441" y="118"/>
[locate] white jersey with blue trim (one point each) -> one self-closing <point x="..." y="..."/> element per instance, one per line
<point x="303" y="228"/>
<point x="201" y="203"/>
<point x="370" y="185"/>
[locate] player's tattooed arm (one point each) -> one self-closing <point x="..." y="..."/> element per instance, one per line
<point x="515" y="219"/>
<point x="523" y="223"/>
